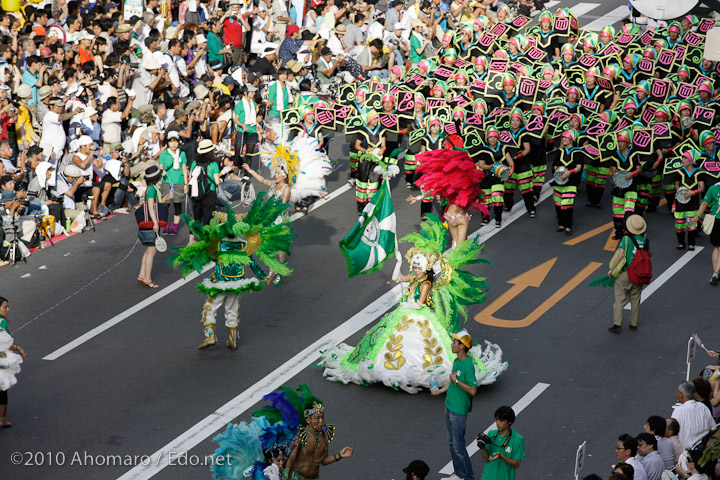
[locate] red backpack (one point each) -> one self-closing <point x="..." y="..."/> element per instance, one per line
<point x="640" y="269"/>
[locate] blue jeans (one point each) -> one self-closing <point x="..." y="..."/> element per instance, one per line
<point x="456" y="439"/>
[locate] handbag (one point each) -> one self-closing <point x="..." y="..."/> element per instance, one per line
<point x="709" y="224"/>
<point x="144" y="220"/>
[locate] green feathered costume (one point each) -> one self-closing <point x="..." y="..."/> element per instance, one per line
<point x="233" y="245"/>
<point x="411" y="344"/>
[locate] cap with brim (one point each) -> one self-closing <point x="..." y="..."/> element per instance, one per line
<point x="114" y="147"/>
<point x="151" y="63"/>
<point x="85" y="140"/>
<point x="110" y="5"/>
<point x="341" y="29"/>
<point x="418" y="468"/>
<point x="200" y="38"/>
<point x="291" y="30"/>
<point x="57" y="101"/>
<point x="173" y="134"/>
<point x="147" y="118"/>
<point x="44" y="92"/>
<point x="251" y="88"/>
<point x="24" y="91"/>
<point x="8" y="196"/>
<point x="463" y="337"/>
<point x="205" y="146"/>
<point x="635" y="224"/>
<point x="72" y="171"/>
<point x="193" y="105"/>
<point x="200" y="91"/>
<point x="123" y="28"/>
<point x="147" y="108"/>
<point x="89" y="112"/>
<point x="152" y="173"/>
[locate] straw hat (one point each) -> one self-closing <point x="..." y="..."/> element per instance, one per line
<point x="205" y="146"/>
<point x="636" y="224"/>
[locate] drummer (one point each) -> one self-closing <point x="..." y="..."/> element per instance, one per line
<point x="491" y="159"/>
<point x="690" y="187"/>
<point x="568" y="163"/>
<point x="624" y="168"/>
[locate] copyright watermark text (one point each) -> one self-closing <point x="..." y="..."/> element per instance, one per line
<point x="87" y="459"/>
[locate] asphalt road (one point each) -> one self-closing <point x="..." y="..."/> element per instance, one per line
<point x="137" y="386"/>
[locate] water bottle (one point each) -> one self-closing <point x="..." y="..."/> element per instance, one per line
<point x="689" y="224"/>
<point x="433" y="383"/>
<point x="68" y="225"/>
<point x="171" y="195"/>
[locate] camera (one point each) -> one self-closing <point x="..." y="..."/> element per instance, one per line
<point x="482" y="440"/>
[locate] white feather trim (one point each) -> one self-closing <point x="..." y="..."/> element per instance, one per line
<point x="314" y="167"/>
<point x="9" y="362"/>
<point x="230" y="285"/>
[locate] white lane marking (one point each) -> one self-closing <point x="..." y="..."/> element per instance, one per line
<point x="164" y="292"/>
<point x="608" y="19"/>
<point x="548" y="6"/>
<point x="322" y="201"/>
<point x="241" y="403"/>
<point x="521" y="404"/>
<point x="667" y="274"/>
<point x="583" y="8"/>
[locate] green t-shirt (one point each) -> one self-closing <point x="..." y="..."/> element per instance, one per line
<point x="629" y="247"/>
<point x="458" y="400"/>
<point x="173" y="176"/>
<point x="214" y="46"/>
<point x="3" y="324"/>
<point x="415" y="43"/>
<point x="514" y="450"/>
<point x="210" y="171"/>
<point x="712" y="197"/>
<point x="240" y="112"/>
<point x="151" y="192"/>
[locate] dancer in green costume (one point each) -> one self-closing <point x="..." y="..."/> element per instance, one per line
<point x="410" y="347"/>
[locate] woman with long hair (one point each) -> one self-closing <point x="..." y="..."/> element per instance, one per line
<point x="146" y="236"/>
<point x="174" y="186"/>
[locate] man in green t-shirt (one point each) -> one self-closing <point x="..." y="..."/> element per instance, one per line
<point x="505" y="450"/>
<point x="458" y="402"/>
<point x="624" y="289"/>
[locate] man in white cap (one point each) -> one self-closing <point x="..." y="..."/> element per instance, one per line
<point x="40" y="187"/>
<point x="458" y="402"/>
<point x="149" y="78"/>
<point x="68" y="186"/>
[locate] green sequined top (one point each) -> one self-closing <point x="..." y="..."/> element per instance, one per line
<point x="416" y="294"/>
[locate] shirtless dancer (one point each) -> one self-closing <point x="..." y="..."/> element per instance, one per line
<point x="311" y="446"/>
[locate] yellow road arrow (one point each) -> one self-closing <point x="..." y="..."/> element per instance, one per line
<point x="532" y="278"/>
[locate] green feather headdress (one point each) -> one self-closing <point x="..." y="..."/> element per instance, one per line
<point x="265" y="238"/>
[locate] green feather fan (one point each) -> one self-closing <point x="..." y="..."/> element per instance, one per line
<point x="604" y="281"/>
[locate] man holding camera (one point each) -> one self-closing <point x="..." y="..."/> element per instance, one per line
<point x="458" y="402"/>
<point x="503" y="449"/>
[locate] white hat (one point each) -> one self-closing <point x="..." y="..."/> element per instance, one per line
<point x="201" y="91"/>
<point x="173" y="134"/>
<point x="151" y="63"/>
<point x="205" y="146"/>
<point x="72" y="171"/>
<point x="200" y="38"/>
<point x="85" y="35"/>
<point x="85" y="140"/>
<point x="400" y="26"/>
<point x="24" y="91"/>
<point x="89" y="112"/>
<point x="41" y="172"/>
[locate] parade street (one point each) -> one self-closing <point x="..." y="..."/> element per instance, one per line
<point x="115" y="387"/>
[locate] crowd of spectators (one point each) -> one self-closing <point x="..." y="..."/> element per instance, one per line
<point x="673" y="447"/>
<point x="89" y="98"/>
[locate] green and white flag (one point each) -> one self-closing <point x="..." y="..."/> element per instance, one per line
<point x="373" y="238"/>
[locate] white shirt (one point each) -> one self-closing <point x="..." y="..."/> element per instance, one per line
<point x="653" y="465"/>
<point x="62" y="186"/>
<point x="640" y="473"/>
<point x="666" y="451"/>
<point x="53" y="132"/>
<point x="111" y="128"/>
<point x="143" y="94"/>
<point x="695" y="421"/>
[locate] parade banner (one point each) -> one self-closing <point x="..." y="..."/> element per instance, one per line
<point x="416" y="135"/>
<point x="346" y="94"/>
<point x="342" y="112"/>
<point x="325" y="117"/>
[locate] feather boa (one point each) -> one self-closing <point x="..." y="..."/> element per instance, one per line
<point x="212" y="289"/>
<point x="9" y="362"/>
<point x="452" y="175"/>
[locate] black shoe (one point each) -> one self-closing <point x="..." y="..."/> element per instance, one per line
<point x="714" y="279"/>
<point x="614" y="329"/>
<point x="633" y="327"/>
<point x="533" y="214"/>
<point x="590" y="204"/>
<point x="485" y="220"/>
<point x="498" y="224"/>
<point x="599" y="206"/>
<point x="568" y="231"/>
